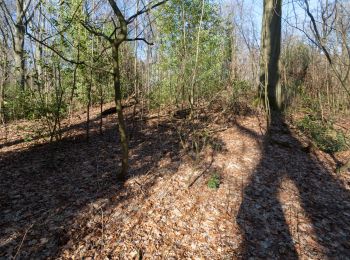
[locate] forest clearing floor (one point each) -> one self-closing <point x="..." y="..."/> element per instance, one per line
<point x="276" y="199"/>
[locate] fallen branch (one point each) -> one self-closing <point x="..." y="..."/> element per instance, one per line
<point x="24" y="236"/>
<point x="201" y="173"/>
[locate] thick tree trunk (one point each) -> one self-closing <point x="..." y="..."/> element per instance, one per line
<point x="39" y="69"/>
<point x="118" y="104"/>
<point x="19" y="45"/>
<point x="270" y="53"/>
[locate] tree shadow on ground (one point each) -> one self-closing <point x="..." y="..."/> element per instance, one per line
<point x="44" y="188"/>
<point x="82" y="126"/>
<point x="324" y="201"/>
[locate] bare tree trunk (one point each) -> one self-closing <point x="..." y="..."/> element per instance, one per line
<point x="58" y="98"/>
<point x="74" y="87"/>
<point x="2" y="93"/>
<point x="38" y="61"/>
<point x="183" y="64"/>
<point x="270" y="53"/>
<point x="89" y="93"/>
<point x="148" y="62"/>
<point x="88" y="107"/>
<point x="196" y="59"/>
<point x="101" y="108"/>
<point x="118" y="104"/>
<point x="19" y="44"/>
<point x="4" y="79"/>
<point x="39" y="51"/>
<point x="234" y="57"/>
<point x="135" y="61"/>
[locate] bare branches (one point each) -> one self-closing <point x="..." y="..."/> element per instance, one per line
<point x="322" y="46"/>
<point x="145" y="10"/>
<point x="94" y="31"/>
<point x="140" y="39"/>
<point x="117" y="11"/>
<point x="316" y="32"/>
<point x="6" y="12"/>
<point x="121" y="18"/>
<point x="122" y="36"/>
<point x="32" y="37"/>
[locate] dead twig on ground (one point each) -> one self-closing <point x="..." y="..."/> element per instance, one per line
<point x="24" y="236"/>
<point x="202" y="172"/>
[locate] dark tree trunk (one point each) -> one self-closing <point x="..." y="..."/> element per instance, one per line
<point x="118" y="104"/>
<point x="19" y="45"/>
<point x="270" y="53"/>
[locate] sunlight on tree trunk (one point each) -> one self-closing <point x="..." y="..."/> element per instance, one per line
<point x="118" y="104"/>
<point x="270" y="53"/>
<point x="19" y="44"/>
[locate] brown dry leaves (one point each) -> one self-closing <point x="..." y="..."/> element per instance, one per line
<point x="273" y="201"/>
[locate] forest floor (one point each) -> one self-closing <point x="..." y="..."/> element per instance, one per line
<point x="277" y="199"/>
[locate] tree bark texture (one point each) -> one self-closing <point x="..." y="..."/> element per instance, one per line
<point x="270" y="53"/>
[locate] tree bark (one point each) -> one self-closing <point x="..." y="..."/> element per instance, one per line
<point x="136" y="90"/>
<point x="4" y="74"/>
<point x="74" y="87"/>
<point x="118" y="104"/>
<point x="19" y="45"/>
<point x="270" y="53"/>
<point x="39" y="51"/>
<point x="2" y="89"/>
<point x="89" y="92"/>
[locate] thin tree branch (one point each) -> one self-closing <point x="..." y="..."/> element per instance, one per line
<point x="94" y="31"/>
<point x="139" y="39"/>
<point x="144" y="10"/>
<point x="7" y="22"/>
<point x="323" y="48"/>
<point x="53" y="49"/>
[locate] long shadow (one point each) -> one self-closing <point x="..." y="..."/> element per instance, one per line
<point x="324" y="201"/>
<point x="44" y="188"/>
<point x="82" y="126"/>
<point x="76" y="127"/>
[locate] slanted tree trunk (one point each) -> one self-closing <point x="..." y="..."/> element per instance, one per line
<point x="118" y="104"/>
<point x="270" y="53"/>
<point x="19" y="44"/>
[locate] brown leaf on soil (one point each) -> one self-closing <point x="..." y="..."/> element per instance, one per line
<point x="274" y="201"/>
